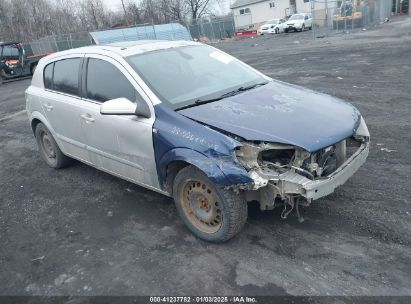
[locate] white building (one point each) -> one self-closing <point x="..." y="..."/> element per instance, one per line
<point x="251" y="13"/>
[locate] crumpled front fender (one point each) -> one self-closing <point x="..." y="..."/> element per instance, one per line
<point x="221" y="170"/>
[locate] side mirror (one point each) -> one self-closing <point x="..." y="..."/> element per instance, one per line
<point x="118" y="106"/>
<point x="306" y="18"/>
<point x="272" y="26"/>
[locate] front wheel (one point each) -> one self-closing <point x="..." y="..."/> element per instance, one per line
<point x="277" y="31"/>
<point x="302" y="28"/>
<point x="209" y="211"/>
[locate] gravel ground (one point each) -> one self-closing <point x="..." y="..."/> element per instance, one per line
<point x="79" y="231"/>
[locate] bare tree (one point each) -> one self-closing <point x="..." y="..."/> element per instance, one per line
<point x="27" y="20"/>
<point x="125" y="11"/>
<point x="93" y="12"/>
<point x="198" y="8"/>
<point x="174" y="9"/>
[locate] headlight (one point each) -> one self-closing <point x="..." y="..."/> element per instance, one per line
<point x="252" y="155"/>
<point x="362" y="129"/>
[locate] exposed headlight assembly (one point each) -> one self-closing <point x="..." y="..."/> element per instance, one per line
<point x="362" y="130"/>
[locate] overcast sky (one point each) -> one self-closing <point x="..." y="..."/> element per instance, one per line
<point x="221" y="7"/>
<point x="112" y="4"/>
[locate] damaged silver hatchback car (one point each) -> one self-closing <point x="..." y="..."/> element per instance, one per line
<point x="194" y="123"/>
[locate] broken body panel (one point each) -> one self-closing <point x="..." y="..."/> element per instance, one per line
<point x="278" y="141"/>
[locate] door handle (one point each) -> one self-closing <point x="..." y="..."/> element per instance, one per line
<point x="87" y="118"/>
<point x="48" y="107"/>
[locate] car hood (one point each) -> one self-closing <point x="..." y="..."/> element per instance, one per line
<point x="281" y="113"/>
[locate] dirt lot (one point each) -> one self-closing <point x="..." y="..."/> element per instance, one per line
<point x="79" y="231"/>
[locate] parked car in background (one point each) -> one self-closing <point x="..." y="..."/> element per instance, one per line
<point x="274" y="26"/>
<point x="299" y="22"/>
<point x="194" y="123"/>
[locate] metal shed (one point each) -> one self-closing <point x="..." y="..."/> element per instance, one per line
<point x="170" y="31"/>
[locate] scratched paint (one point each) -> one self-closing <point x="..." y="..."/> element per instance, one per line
<point x="178" y="138"/>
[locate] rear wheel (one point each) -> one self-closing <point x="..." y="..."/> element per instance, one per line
<point x="49" y="150"/>
<point x="209" y="211"/>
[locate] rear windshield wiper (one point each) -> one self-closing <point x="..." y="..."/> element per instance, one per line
<point x="228" y="94"/>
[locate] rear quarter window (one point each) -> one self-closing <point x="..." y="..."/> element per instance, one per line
<point x="48" y="76"/>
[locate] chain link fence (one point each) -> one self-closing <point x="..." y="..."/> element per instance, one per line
<point x="328" y="18"/>
<point x="211" y="29"/>
<point x="336" y="16"/>
<point x="205" y="29"/>
<point x="56" y="43"/>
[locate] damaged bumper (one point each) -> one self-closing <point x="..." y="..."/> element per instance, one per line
<point x="294" y="183"/>
<point x="270" y="186"/>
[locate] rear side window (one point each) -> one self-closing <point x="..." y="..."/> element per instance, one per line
<point x="48" y="76"/>
<point x="105" y="82"/>
<point x="66" y="76"/>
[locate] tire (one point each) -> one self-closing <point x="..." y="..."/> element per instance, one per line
<point x="286" y="30"/>
<point x="302" y="28"/>
<point x="217" y="214"/>
<point x="1" y="76"/>
<point x="310" y="28"/>
<point x="277" y="31"/>
<point x="49" y="150"/>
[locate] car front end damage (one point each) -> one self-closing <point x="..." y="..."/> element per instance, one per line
<point x="287" y="175"/>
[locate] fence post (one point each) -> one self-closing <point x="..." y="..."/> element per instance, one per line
<point x="200" y="23"/>
<point x="55" y="42"/>
<point x="71" y="40"/>
<point x="172" y="32"/>
<point x="154" y="31"/>
<point x="313" y="18"/>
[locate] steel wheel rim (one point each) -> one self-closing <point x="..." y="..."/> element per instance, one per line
<point x="201" y="206"/>
<point x="48" y="147"/>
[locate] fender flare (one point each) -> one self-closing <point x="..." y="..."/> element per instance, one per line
<point x="223" y="170"/>
<point x="37" y="115"/>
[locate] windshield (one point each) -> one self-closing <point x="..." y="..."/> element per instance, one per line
<point x="296" y="17"/>
<point x="181" y="76"/>
<point x="11" y="52"/>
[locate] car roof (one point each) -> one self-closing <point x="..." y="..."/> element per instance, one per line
<point x="129" y="48"/>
